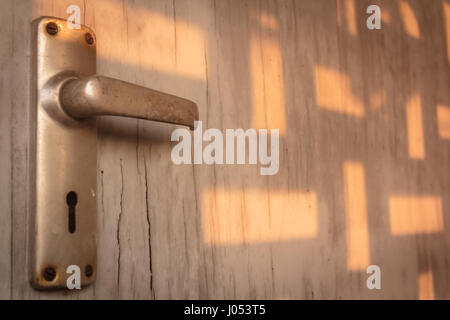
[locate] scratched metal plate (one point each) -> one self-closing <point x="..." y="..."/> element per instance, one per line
<point x="63" y="159"/>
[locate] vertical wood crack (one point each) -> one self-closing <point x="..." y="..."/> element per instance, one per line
<point x="118" y="228"/>
<point x="152" y="292"/>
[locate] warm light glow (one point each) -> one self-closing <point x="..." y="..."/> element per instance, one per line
<point x="447" y="26"/>
<point x="426" y="287"/>
<point x="385" y="16"/>
<point x="334" y="92"/>
<point x="377" y="100"/>
<point x="268" y="21"/>
<point x="339" y="13"/>
<point x="416" y="144"/>
<point x="358" y="250"/>
<point x="178" y="50"/>
<point x="266" y="67"/>
<point x="443" y="118"/>
<point x="256" y="216"/>
<point x="409" y="19"/>
<point x="350" y="13"/>
<point x="415" y="215"/>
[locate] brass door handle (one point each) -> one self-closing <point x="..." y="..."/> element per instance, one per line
<point x="97" y="95"/>
<point x="67" y="95"/>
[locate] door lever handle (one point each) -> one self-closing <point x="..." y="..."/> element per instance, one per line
<point x="101" y="96"/>
<point x="67" y="95"/>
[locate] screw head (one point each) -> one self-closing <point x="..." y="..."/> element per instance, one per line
<point x="49" y="274"/>
<point x="52" y="28"/>
<point x="89" y="38"/>
<point x="89" y="271"/>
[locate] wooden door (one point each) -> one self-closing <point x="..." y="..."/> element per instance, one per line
<point x="364" y="120"/>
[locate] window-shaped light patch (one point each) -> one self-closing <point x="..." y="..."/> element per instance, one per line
<point x="358" y="250"/>
<point x="258" y="216"/>
<point x="409" y="19"/>
<point x="425" y="286"/>
<point x="443" y="118"/>
<point x="267" y="80"/>
<point x="416" y="144"/>
<point x="415" y="215"/>
<point x="334" y="92"/>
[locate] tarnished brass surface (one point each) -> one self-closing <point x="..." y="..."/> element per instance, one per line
<point x="63" y="159"/>
<point x="97" y="95"/>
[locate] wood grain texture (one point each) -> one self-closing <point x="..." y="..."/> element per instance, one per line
<point x="6" y="54"/>
<point x="350" y="104"/>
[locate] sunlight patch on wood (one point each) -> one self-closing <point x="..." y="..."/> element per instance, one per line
<point x="350" y="13"/>
<point x="447" y="26"/>
<point x="256" y="216"/>
<point x="358" y="250"/>
<point x="416" y="144"/>
<point x="178" y="50"/>
<point x="426" y="287"/>
<point x="267" y="83"/>
<point x="334" y="92"/>
<point x="385" y="16"/>
<point x="268" y="21"/>
<point x="409" y="19"/>
<point x="415" y="215"/>
<point x="346" y="8"/>
<point x="443" y="118"/>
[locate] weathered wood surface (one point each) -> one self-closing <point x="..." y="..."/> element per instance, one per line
<point x="364" y="150"/>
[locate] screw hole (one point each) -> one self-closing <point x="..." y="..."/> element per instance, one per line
<point x="89" y="38"/>
<point x="52" y="28"/>
<point x="49" y="274"/>
<point x="89" y="271"/>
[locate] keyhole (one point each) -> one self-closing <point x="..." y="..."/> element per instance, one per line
<point x="72" y="203"/>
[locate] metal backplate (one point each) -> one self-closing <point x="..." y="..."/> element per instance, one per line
<point x="63" y="159"/>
